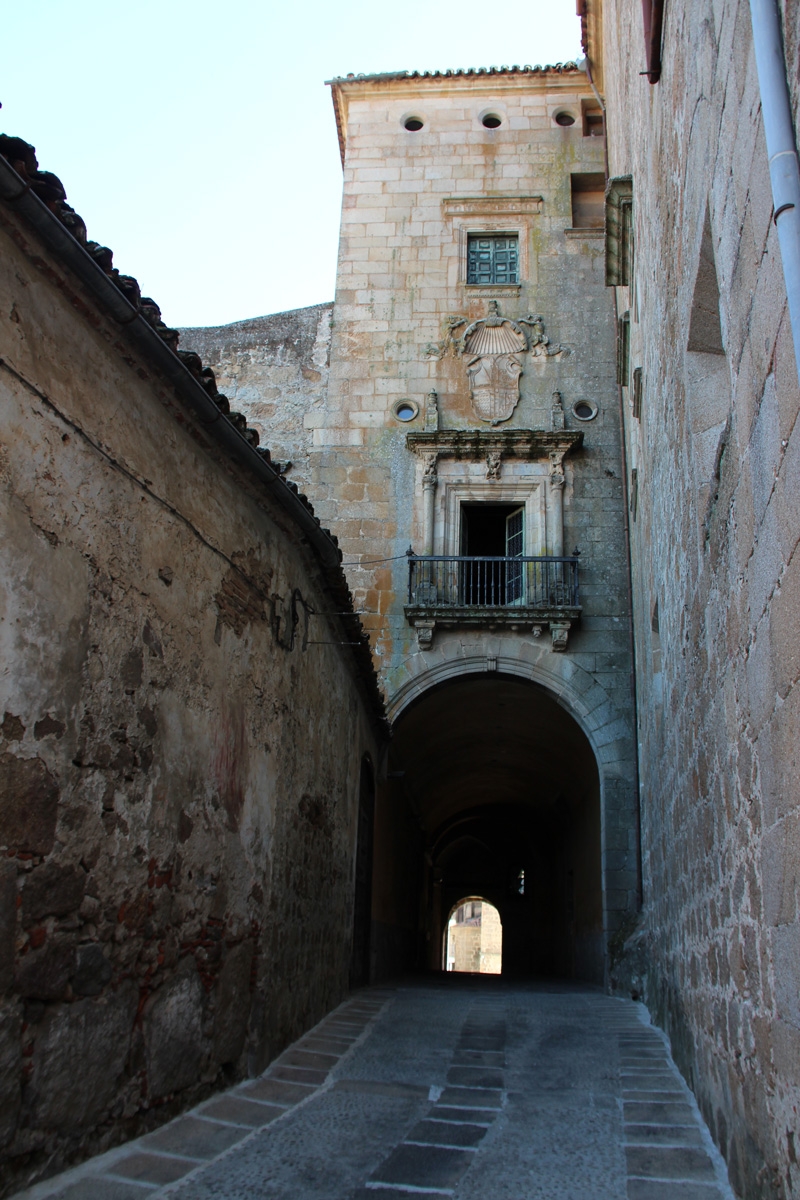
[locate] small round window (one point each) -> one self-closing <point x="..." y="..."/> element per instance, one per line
<point x="565" y="119"/>
<point x="584" y="410"/>
<point x="413" y="124"/>
<point x="491" y="121"/>
<point x="405" y="410"/>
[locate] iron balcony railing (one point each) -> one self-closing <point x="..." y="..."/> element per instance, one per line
<point x="462" y="581"/>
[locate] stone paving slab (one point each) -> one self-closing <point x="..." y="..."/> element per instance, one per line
<point x="437" y="1089"/>
<point x="665" y="1135"/>
<point x="237" y="1110"/>
<point x="153" y="1168"/>
<point x="194" y="1137"/>
<point x="669" y="1162"/>
<point x="102" y="1189"/>
<point x="643" y="1189"/>
<point x="447" y="1133"/>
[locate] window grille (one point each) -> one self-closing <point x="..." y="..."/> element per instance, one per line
<point x="493" y="259"/>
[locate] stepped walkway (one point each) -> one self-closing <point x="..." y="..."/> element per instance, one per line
<point x="472" y="1088"/>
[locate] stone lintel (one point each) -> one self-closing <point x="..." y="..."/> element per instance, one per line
<point x="491" y="206"/>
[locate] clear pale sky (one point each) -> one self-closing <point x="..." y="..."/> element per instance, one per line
<point x="198" y="141"/>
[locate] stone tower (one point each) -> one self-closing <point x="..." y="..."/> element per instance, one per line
<point x="466" y="453"/>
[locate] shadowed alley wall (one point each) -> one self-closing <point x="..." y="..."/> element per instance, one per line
<point x="180" y="740"/>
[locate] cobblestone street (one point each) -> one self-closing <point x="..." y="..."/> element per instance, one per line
<point x="479" y="1090"/>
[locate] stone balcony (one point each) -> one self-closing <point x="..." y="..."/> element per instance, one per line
<point x="515" y="593"/>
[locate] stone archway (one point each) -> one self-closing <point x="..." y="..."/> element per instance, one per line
<point x="511" y="773"/>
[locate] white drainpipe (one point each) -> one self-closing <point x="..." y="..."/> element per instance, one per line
<point x="784" y="168"/>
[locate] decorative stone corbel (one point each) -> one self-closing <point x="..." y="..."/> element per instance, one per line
<point x="557" y="502"/>
<point x="425" y="631"/>
<point x="557" y="468"/>
<point x="429" y="475"/>
<point x="493" y="464"/>
<point x="559" y="631"/>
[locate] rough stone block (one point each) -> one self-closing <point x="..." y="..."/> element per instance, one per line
<point x="52" y="890"/>
<point x="233" y="1003"/>
<point x="8" y="922"/>
<point x="10" y="1069"/>
<point x="28" y="804"/>
<point x="43" y="974"/>
<point x="173" y="1032"/>
<point x="92" y="970"/>
<point x="79" y="1056"/>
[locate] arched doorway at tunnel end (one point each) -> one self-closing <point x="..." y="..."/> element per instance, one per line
<point x="506" y="791"/>
<point x="473" y="938"/>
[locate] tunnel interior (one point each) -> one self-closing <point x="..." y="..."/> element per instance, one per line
<point x="501" y="793"/>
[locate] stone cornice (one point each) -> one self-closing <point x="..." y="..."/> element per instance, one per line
<point x="508" y="443"/>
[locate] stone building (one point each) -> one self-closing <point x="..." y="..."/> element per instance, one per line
<point x="710" y="401"/>
<point x="550" y="418"/>
<point x="474" y="939"/>
<point x="461" y="438"/>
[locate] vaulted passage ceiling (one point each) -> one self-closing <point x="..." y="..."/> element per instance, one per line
<point x="490" y="739"/>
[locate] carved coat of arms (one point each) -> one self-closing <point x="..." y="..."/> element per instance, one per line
<point x="492" y="348"/>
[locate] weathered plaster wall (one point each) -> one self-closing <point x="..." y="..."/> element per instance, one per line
<point x="178" y="781"/>
<point x="716" y="578"/>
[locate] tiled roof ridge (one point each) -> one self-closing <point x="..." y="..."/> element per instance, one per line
<point x="460" y="72"/>
<point x="21" y="157"/>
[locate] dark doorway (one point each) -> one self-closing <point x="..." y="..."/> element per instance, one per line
<point x="494" y="535"/>
<point x="483" y="528"/>
<point x="506" y="790"/>
<point x="362" y="899"/>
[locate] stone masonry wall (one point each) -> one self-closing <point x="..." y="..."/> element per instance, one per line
<point x="717" y="576"/>
<point x="275" y="369"/>
<point x="178" y="771"/>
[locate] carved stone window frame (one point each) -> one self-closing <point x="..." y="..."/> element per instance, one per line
<point x="467" y="229"/>
<point x="501" y="216"/>
<point x="528" y="491"/>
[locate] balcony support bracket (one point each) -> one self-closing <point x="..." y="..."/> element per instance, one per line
<point x="425" y="631"/>
<point x="559" y="632"/>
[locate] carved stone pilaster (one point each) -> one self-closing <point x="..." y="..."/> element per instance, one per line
<point x="556" y="468"/>
<point x="430" y="479"/>
<point x="429" y="475"/>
